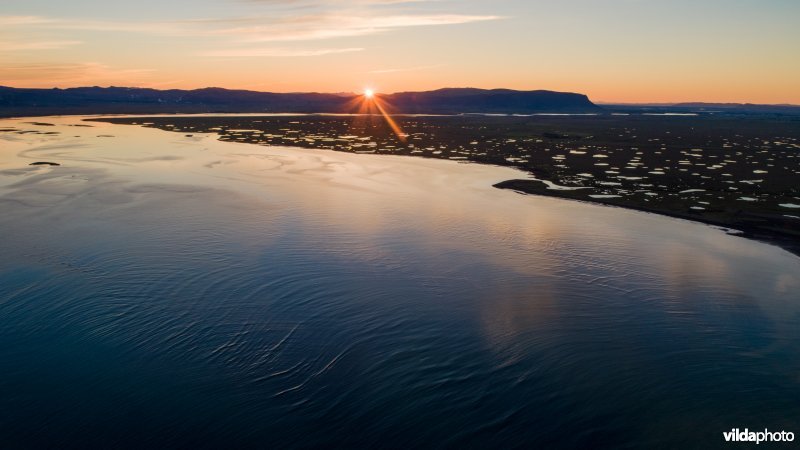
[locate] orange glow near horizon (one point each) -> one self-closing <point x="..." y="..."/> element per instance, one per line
<point x="599" y="87"/>
<point x="632" y="52"/>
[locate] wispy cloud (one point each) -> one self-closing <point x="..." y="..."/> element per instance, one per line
<point x="291" y="27"/>
<point x="276" y="52"/>
<point x="323" y="26"/>
<point x="337" y="3"/>
<point x="39" y="23"/>
<point x="157" y="28"/>
<point x="9" y="46"/>
<point x="267" y="29"/>
<point x="78" y="74"/>
<point x="22" y="20"/>
<point x="404" y="69"/>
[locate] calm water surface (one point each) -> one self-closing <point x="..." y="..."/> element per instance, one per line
<point x="163" y="290"/>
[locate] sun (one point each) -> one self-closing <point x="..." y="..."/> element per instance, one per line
<point x="369" y="93"/>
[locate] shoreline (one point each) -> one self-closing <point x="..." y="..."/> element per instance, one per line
<point x="786" y="241"/>
<point x="757" y="223"/>
<point x="496" y="141"/>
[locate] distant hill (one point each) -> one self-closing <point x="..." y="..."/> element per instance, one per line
<point x="739" y="107"/>
<point x="490" y="101"/>
<point x="701" y="107"/>
<point x="120" y="100"/>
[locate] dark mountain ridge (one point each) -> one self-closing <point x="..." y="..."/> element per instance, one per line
<point x="121" y="100"/>
<point x="466" y="100"/>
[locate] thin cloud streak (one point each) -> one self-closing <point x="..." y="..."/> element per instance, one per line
<point x="276" y="52"/>
<point x="405" y="69"/>
<point x="71" y="74"/>
<point x="334" y="26"/>
<point x="11" y="21"/>
<point x="256" y="29"/>
<point x="337" y="3"/>
<point x="6" y="46"/>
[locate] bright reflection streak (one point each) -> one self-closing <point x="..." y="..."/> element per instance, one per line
<point x="395" y="127"/>
<point x="370" y="104"/>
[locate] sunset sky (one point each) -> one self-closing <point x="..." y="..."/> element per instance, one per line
<point x="611" y="50"/>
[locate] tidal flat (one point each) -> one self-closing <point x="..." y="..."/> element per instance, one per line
<point x="733" y="171"/>
<point x="171" y="290"/>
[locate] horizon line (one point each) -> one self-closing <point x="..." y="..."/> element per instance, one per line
<point x="597" y="102"/>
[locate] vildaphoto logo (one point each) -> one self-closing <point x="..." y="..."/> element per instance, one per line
<point x="737" y="435"/>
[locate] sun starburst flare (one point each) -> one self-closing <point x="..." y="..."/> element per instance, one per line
<point x="371" y="103"/>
